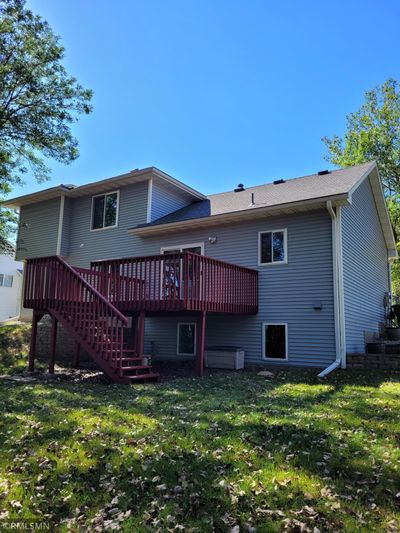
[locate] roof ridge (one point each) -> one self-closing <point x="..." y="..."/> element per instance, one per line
<point x="293" y="179"/>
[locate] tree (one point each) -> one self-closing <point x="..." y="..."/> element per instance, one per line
<point x="39" y="101"/>
<point x="393" y="202"/>
<point x="373" y="133"/>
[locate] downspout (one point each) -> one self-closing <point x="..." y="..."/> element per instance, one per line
<point x="342" y="325"/>
<point x="337" y="291"/>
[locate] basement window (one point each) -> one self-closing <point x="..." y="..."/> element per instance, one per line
<point x="186" y="338"/>
<point x="274" y="339"/>
<point x="105" y="211"/>
<point x="272" y="247"/>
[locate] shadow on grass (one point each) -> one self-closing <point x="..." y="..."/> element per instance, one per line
<point x="305" y="430"/>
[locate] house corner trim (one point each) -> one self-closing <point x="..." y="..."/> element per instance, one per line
<point x="60" y="225"/>
<point x="149" y="200"/>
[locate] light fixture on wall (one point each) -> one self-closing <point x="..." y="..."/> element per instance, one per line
<point x="212" y="240"/>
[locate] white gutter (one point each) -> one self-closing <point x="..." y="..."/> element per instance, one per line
<point x="337" y="261"/>
<point x="342" y="325"/>
<point x="233" y="216"/>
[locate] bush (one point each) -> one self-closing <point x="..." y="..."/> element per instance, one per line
<point x="14" y="347"/>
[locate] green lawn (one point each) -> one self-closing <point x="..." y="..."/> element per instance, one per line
<point x="228" y="452"/>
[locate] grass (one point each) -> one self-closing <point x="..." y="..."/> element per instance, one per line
<point x="230" y="452"/>
<point x="14" y="343"/>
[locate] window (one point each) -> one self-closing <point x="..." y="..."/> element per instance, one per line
<point x="275" y="341"/>
<point x="186" y="342"/>
<point x="6" y="280"/>
<point x="105" y="210"/>
<point x="272" y="247"/>
<point x="197" y="248"/>
<point x="171" y="278"/>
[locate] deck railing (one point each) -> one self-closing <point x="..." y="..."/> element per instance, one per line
<point x="174" y="282"/>
<point x="52" y="284"/>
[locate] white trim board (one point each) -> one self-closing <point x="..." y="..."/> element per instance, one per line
<point x="177" y="337"/>
<point x="60" y="225"/>
<point x="149" y="200"/>
<point x="104" y="213"/>
<point x="285" y="247"/>
<point x="181" y="246"/>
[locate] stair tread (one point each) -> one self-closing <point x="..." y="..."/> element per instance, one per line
<point x="124" y="350"/>
<point x="153" y="375"/>
<point x="132" y="359"/>
<point x="135" y="367"/>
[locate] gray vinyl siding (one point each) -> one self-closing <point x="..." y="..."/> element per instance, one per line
<point x="365" y="268"/>
<point x="38" y="229"/>
<point x="65" y="236"/>
<point x="86" y="245"/>
<point x="287" y="292"/>
<point x="166" y="200"/>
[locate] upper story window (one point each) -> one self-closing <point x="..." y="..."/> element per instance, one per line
<point x="272" y="247"/>
<point x="105" y="210"/>
<point x="6" y="280"/>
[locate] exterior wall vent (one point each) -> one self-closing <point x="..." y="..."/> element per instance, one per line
<point x="240" y="188"/>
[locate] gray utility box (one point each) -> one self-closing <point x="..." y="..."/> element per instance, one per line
<point x="231" y="357"/>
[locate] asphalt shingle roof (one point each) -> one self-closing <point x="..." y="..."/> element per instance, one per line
<point x="293" y="190"/>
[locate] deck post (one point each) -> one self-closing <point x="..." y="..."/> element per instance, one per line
<point x="140" y="333"/>
<point x="77" y="357"/>
<point x="201" y="333"/>
<point x="32" y="347"/>
<point x="53" y="344"/>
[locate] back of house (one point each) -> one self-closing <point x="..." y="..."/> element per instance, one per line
<point x="293" y="272"/>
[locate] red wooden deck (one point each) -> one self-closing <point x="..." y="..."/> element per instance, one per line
<point x="93" y="304"/>
<point x="175" y="282"/>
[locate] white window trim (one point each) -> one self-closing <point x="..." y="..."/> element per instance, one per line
<point x="4" y="276"/>
<point x="286" y="341"/>
<point x="180" y="246"/>
<point x="104" y="214"/>
<point x="285" y="247"/>
<point x="177" y="337"/>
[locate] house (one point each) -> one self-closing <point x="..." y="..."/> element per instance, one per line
<point x="295" y="271"/>
<point x="10" y="287"/>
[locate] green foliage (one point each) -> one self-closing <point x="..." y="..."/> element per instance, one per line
<point x="373" y="133"/>
<point x="14" y="345"/>
<point x="39" y="101"/>
<point x="232" y="452"/>
<point x="393" y="203"/>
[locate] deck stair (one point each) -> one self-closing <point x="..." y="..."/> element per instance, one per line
<point x="94" y="303"/>
<point x="95" y="324"/>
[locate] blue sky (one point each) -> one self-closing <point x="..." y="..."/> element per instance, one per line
<point x="218" y="92"/>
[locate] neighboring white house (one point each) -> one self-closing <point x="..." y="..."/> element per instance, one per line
<point x="10" y="287"/>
